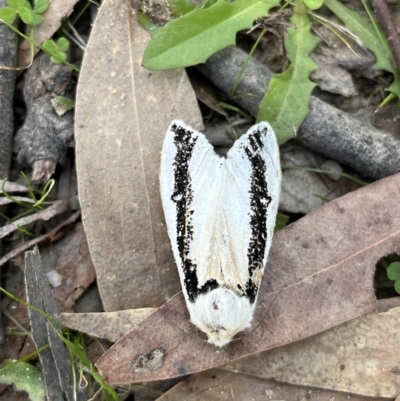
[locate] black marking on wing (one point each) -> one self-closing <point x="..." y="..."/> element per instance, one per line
<point x="259" y="201"/>
<point x="182" y="196"/>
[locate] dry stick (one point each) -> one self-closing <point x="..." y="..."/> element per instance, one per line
<point x="29" y="244"/>
<point x="326" y="130"/>
<point x="8" y="58"/>
<point x="57" y="375"/>
<point x="57" y="208"/>
<point x="385" y="19"/>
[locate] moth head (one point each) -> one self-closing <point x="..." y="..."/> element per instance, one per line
<point x="221" y="314"/>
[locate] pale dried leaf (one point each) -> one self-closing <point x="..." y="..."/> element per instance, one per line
<point x="110" y="326"/>
<point x="339" y="359"/>
<point x="219" y="385"/>
<point x="122" y="114"/>
<point x="319" y="274"/>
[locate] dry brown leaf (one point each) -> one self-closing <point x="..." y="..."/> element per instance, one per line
<point x="361" y="356"/>
<point x="108" y="325"/>
<point x="52" y="20"/>
<point x="219" y="385"/>
<point x="122" y="114"/>
<point x="71" y="259"/>
<point x="319" y="274"/>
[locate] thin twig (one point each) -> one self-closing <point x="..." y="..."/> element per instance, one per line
<point x="385" y="19"/>
<point x="26" y="245"/>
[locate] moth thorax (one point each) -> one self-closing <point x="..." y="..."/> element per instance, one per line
<point x="221" y="314"/>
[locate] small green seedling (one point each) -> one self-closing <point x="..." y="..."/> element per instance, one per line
<point x="75" y="346"/>
<point x="393" y="272"/>
<point x="57" y="51"/>
<point x="28" y="14"/>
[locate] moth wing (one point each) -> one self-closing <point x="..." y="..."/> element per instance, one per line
<point x="191" y="184"/>
<point x="249" y="207"/>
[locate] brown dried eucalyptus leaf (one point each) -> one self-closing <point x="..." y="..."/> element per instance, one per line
<point x="218" y="385"/>
<point x="122" y="114"/>
<point x="338" y="359"/>
<point x="319" y="274"/>
<point x="108" y="325"/>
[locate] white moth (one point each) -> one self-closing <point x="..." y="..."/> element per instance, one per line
<point x="220" y="215"/>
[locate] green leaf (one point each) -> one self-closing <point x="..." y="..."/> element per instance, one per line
<point x="63" y="101"/>
<point x="16" y="4"/>
<point x="285" y="105"/>
<point x="393" y="271"/>
<point x="378" y="44"/>
<point x="313" y="4"/>
<point x="27" y="5"/>
<point x="181" y="7"/>
<point x="24" y="377"/>
<point x="281" y="222"/>
<point x="50" y="46"/>
<point x="63" y="44"/>
<point x="58" y="57"/>
<point x="26" y="15"/>
<point x="62" y="104"/>
<point x="193" y="38"/>
<point x="7" y="14"/>
<point x="397" y="286"/>
<point x="37" y="19"/>
<point x="41" y="6"/>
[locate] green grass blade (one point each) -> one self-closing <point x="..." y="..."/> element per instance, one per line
<point x="193" y="38"/>
<point x="285" y="104"/>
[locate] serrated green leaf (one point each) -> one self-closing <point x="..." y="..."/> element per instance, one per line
<point x="15" y="4"/>
<point x="285" y="105"/>
<point x="7" y="14"/>
<point x="395" y="87"/>
<point x="63" y="44"/>
<point x="181" y="7"/>
<point x="193" y="38"/>
<point x="26" y="15"/>
<point x="369" y="37"/>
<point x="37" y="19"/>
<point x="393" y="271"/>
<point x="313" y="4"/>
<point x="50" y="46"/>
<point x="41" y="6"/>
<point x="24" y="377"/>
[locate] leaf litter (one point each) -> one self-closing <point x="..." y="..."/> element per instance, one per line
<point x="118" y="147"/>
<point x="319" y="274"/>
